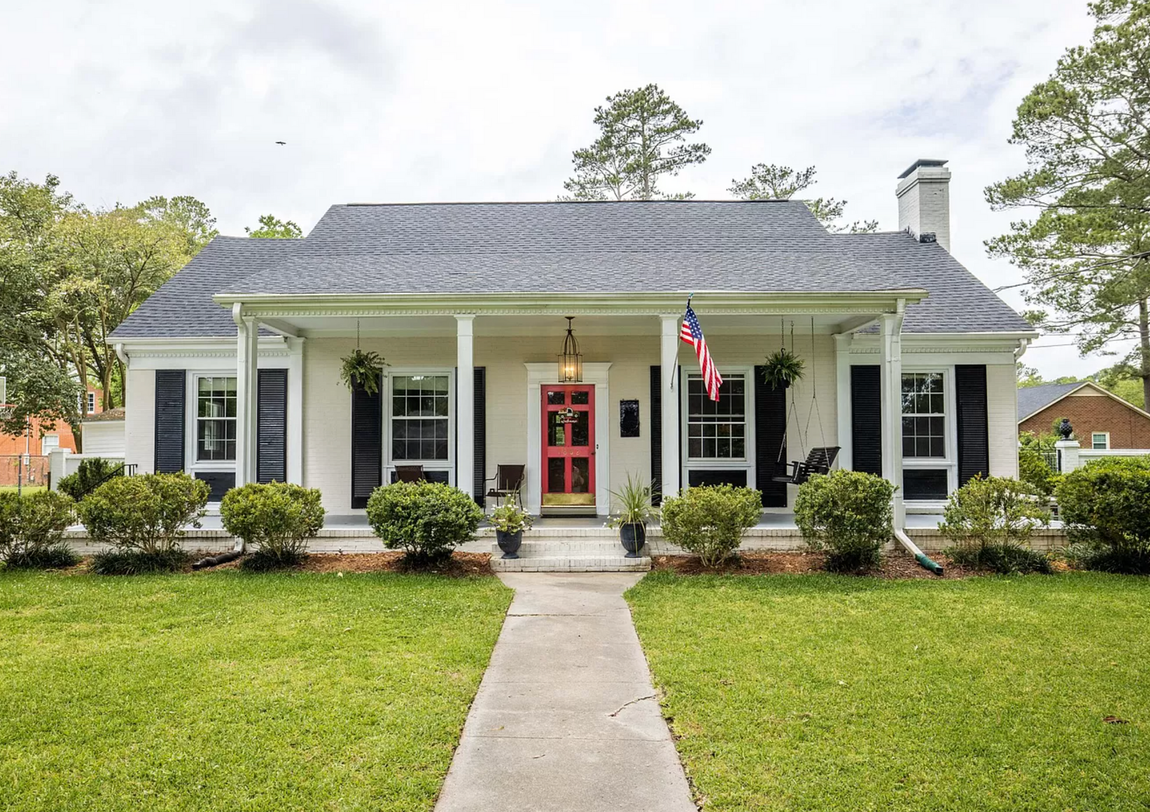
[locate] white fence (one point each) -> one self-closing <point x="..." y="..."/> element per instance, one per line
<point x="62" y="462"/>
<point x="1071" y="455"/>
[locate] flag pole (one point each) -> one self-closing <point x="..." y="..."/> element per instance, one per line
<point x="673" y="371"/>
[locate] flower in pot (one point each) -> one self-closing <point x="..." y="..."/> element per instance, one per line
<point x="782" y="369"/>
<point x="635" y="510"/>
<point x="509" y="521"/>
<point x="361" y="370"/>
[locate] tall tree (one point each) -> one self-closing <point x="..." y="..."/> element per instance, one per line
<point x="642" y="139"/>
<point x="1085" y="246"/>
<point x="774" y="182"/>
<point x="273" y="228"/>
<point x="186" y="214"/>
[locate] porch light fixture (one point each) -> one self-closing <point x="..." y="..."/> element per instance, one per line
<point x="570" y="360"/>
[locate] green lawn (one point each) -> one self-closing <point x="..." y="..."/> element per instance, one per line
<point x="227" y="691"/>
<point x="27" y="488"/>
<point x="825" y="693"/>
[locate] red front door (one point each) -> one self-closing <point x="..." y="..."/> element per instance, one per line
<point x="568" y="445"/>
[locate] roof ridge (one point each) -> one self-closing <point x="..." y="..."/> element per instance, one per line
<point x="556" y="202"/>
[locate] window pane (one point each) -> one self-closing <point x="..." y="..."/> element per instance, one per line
<point x="580" y="429"/>
<point x="580" y="478"/>
<point x="556" y="398"/>
<point x="716" y="429"/>
<point x="580" y="398"/>
<point x="556" y="476"/>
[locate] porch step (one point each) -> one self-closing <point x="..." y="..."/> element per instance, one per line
<point x="569" y="555"/>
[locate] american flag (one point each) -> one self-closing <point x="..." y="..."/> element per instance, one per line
<point x="692" y="333"/>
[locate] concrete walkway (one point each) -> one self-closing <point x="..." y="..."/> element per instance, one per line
<point x="566" y="717"/>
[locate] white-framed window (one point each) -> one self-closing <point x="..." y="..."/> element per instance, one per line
<point x="1100" y="440"/>
<point x="215" y="421"/>
<point x="91" y="402"/>
<point x="420" y="418"/>
<point x="717" y="430"/>
<point x="924" y="415"/>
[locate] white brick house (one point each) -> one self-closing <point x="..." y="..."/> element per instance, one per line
<point x="233" y="366"/>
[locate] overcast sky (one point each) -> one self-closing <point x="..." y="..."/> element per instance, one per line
<point x="479" y="100"/>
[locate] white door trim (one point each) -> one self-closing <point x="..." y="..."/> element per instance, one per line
<point x="537" y="375"/>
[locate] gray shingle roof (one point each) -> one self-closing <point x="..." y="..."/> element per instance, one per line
<point x="1035" y="398"/>
<point x="631" y="247"/>
<point x="183" y="306"/>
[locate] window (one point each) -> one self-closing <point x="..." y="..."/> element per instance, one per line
<point x="717" y="430"/>
<point x="923" y="415"/>
<point x="91" y="402"/>
<point x="215" y="419"/>
<point x="1100" y="440"/>
<point x="420" y="405"/>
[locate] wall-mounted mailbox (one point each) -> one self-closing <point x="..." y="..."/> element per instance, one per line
<point x="628" y="418"/>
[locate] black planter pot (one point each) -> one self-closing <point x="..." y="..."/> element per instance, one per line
<point x="509" y="542"/>
<point x="634" y="536"/>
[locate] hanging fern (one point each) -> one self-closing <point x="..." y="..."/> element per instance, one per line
<point x="361" y="370"/>
<point x="782" y="369"/>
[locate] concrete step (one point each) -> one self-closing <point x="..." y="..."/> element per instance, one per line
<point x="563" y="546"/>
<point x="571" y="563"/>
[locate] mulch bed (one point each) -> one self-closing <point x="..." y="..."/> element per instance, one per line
<point x="895" y="566"/>
<point x="459" y="565"/>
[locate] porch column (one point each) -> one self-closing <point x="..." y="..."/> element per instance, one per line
<point x="843" y="400"/>
<point x="890" y="339"/>
<point x="465" y="403"/>
<point x="670" y="400"/>
<point x="247" y="410"/>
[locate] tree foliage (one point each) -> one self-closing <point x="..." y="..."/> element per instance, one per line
<point x="273" y="228"/>
<point x="642" y="140"/>
<point x="775" y="182"/>
<point x="1086" y="131"/>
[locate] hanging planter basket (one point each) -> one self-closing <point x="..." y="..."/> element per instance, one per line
<point x="782" y="369"/>
<point x="361" y="370"/>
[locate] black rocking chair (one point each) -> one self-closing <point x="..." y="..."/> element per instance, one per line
<point x="819" y="461"/>
<point x="508" y="481"/>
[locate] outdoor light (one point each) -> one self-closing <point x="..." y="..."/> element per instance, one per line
<point x="570" y="360"/>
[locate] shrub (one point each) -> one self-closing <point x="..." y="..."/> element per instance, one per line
<point x="138" y="562"/>
<point x="1105" y="508"/>
<point x="847" y="515"/>
<point x="709" y="520"/>
<point x="1033" y="469"/>
<point x="425" y="519"/>
<point x="90" y="475"/>
<point x="32" y="530"/>
<point x="146" y="514"/>
<point x="990" y="522"/>
<point x="277" y="518"/>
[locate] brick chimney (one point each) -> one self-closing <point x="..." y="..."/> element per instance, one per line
<point x="924" y="201"/>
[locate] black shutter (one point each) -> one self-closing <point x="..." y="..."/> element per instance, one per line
<point x="366" y="444"/>
<point x="770" y="440"/>
<point x="171" y="394"/>
<point x="480" y="434"/>
<point x="973" y="423"/>
<point x="656" y="435"/>
<point x="271" y="426"/>
<point x="866" y="419"/>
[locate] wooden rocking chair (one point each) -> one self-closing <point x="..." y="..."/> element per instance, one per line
<point x="819" y="461"/>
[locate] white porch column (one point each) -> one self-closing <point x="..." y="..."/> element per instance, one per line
<point x="670" y="383"/>
<point x="843" y="399"/>
<point x="890" y="338"/>
<point x="247" y="393"/>
<point x="465" y="403"/>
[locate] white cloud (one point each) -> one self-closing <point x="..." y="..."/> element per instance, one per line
<point x="443" y="100"/>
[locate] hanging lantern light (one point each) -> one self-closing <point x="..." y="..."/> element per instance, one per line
<point x="570" y="360"/>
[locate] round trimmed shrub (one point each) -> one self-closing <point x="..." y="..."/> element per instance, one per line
<point x="710" y="520"/>
<point x="425" y="519"/>
<point x="991" y="521"/>
<point x="90" y="475"/>
<point x="847" y="515"/>
<point x="32" y="530"/>
<point x="1105" y="508"/>
<point x="277" y="519"/>
<point x="145" y="514"/>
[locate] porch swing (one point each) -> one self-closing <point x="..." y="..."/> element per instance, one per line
<point x="821" y="458"/>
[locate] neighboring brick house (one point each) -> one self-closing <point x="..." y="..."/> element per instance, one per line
<point x="60" y="436"/>
<point x="1100" y="418"/>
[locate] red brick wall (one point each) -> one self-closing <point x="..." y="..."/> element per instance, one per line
<point x="16" y="445"/>
<point x="1091" y="413"/>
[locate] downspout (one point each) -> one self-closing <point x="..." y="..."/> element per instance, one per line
<point x="919" y="556"/>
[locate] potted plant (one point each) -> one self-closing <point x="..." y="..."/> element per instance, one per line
<point x="361" y="370"/>
<point x="635" y="503"/>
<point x="509" y="521"/>
<point x="782" y="369"/>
